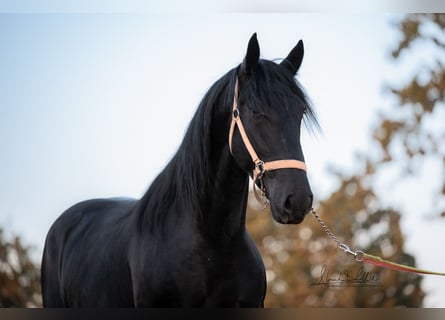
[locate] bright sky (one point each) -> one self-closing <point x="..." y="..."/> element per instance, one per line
<point x="94" y="105"/>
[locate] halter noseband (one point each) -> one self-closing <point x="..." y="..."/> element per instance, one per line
<point x="261" y="167"/>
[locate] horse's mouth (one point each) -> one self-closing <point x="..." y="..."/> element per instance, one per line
<point x="285" y="219"/>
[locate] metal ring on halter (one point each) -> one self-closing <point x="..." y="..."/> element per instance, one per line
<point x="260" y="166"/>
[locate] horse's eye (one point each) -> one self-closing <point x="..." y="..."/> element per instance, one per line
<point x="255" y="111"/>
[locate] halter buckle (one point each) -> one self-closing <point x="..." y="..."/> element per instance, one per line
<point x="260" y="166"/>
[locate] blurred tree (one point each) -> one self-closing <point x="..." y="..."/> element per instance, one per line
<point x="412" y="129"/>
<point x="19" y="275"/>
<point x="303" y="263"/>
<point x="300" y="260"/>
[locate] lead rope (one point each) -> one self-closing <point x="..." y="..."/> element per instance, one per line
<point x="361" y="256"/>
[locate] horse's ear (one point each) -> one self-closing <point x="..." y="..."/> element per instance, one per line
<point x="252" y="56"/>
<point x="294" y="59"/>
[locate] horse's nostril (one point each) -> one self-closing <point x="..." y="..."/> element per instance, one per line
<point x="293" y="203"/>
<point x="288" y="204"/>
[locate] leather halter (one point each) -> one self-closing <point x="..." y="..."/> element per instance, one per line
<point x="261" y="167"/>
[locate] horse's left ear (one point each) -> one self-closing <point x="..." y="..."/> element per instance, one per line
<point x="252" y="56"/>
<point x="294" y="59"/>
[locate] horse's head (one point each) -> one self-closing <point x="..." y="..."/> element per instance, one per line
<point x="269" y="107"/>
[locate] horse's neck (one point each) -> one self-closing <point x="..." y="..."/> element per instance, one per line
<point x="224" y="217"/>
<point x="216" y="205"/>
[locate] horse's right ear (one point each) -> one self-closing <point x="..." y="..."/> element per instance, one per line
<point x="294" y="59"/>
<point x="252" y="56"/>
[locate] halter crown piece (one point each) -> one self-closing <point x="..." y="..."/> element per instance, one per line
<point x="261" y="167"/>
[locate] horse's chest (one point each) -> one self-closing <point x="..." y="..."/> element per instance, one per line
<point x="193" y="274"/>
<point x="231" y="278"/>
<point x="214" y="281"/>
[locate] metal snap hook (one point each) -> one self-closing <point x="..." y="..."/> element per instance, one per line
<point x="346" y="249"/>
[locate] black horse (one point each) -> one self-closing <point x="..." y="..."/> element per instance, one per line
<point x="185" y="243"/>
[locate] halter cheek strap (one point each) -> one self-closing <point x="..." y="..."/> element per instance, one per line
<point x="261" y="167"/>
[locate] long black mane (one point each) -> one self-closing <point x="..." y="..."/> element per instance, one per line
<point x="187" y="176"/>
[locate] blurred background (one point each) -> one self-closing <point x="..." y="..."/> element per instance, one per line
<point x="94" y="105"/>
